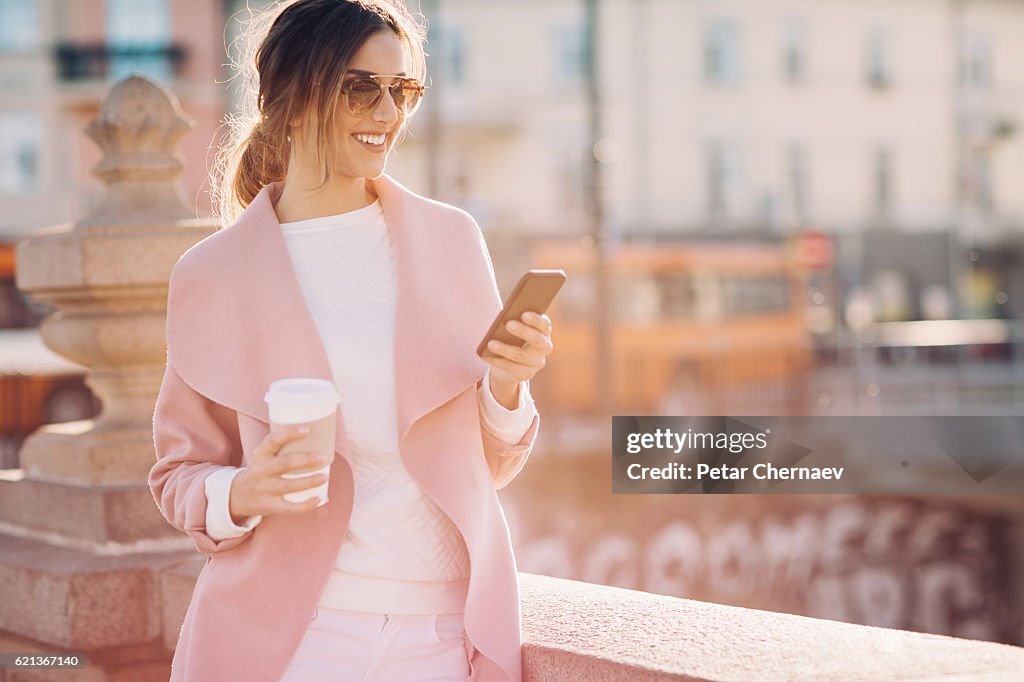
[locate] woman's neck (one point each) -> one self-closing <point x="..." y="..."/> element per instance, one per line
<point x="299" y="201"/>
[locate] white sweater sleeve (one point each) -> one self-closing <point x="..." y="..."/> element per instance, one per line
<point x="219" y="524"/>
<point x="508" y="425"/>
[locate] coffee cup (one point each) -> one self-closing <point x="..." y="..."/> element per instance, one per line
<point x="312" y="403"/>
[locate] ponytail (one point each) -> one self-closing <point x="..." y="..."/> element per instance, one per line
<point x="262" y="162"/>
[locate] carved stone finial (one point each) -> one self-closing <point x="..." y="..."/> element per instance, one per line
<point x="138" y="128"/>
<point x="107" y="277"/>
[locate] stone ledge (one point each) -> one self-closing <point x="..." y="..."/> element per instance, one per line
<point x="117" y="255"/>
<point x="90" y="517"/>
<point x="72" y="453"/>
<point x="78" y="601"/>
<point x="581" y="631"/>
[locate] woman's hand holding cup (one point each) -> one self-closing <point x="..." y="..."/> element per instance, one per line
<point x="259" y="489"/>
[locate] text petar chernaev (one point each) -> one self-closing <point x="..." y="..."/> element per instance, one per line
<point x="667" y="439"/>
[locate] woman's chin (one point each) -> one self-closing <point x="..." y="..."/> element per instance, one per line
<point x="365" y="169"/>
<point x="375" y="169"/>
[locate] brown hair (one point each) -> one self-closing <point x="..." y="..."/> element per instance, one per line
<point x="294" y="54"/>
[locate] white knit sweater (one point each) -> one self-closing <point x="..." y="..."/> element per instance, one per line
<point x="402" y="554"/>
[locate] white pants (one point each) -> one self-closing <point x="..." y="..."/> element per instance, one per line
<point x="350" y="646"/>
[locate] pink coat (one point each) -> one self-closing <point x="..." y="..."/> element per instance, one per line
<point x="237" y="320"/>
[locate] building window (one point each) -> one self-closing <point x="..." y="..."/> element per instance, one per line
<point x="572" y="182"/>
<point x="721" y="52"/>
<point x="570" y="43"/>
<point x="794" y="50"/>
<point x="879" y="66"/>
<point x="723" y="179"/>
<point x="455" y="55"/>
<point x="139" y="36"/>
<point x="450" y="53"/>
<point x="21" y="139"/>
<point x="797" y="175"/>
<point x="981" y="181"/>
<point x="976" y="60"/>
<point x="883" y="180"/>
<point x="19" y="25"/>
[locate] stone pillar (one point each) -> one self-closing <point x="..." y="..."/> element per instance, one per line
<point x="85" y="555"/>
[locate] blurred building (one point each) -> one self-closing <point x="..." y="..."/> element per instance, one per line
<point x="891" y="126"/>
<point x="735" y="114"/>
<point x="59" y="57"/>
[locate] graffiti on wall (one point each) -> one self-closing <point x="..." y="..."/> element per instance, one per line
<point x="898" y="563"/>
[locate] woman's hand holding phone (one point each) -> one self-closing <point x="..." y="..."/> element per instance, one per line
<point x="519" y="340"/>
<point x="259" y="488"/>
<point x="514" y="364"/>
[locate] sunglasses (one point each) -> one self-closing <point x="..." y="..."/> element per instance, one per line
<point x="363" y="93"/>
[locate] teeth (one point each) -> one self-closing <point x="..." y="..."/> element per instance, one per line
<point x="372" y="139"/>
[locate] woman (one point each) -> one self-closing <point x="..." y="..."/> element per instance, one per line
<point x="333" y="270"/>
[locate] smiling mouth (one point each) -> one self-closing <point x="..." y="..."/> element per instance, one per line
<point x="374" y="143"/>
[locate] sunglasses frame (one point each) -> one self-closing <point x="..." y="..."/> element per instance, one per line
<point x="404" y="80"/>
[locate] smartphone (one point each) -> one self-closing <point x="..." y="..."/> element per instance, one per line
<point x="533" y="293"/>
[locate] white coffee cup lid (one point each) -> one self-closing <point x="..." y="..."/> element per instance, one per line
<point x="302" y="392"/>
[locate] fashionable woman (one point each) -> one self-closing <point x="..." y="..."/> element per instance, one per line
<point x="328" y="268"/>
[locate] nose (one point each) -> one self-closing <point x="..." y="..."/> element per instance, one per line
<point x="386" y="110"/>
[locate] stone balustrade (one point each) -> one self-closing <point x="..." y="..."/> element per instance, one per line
<point x="581" y="631"/>
<point x="81" y="542"/>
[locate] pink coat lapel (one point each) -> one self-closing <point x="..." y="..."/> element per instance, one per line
<point x="247" y="300"/>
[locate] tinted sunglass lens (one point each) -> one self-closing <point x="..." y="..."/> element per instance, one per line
<point x="407" y="97"/>
<point x="362" y="96"/>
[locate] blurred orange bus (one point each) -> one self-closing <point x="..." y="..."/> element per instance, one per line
<point x="704" y="319"/>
